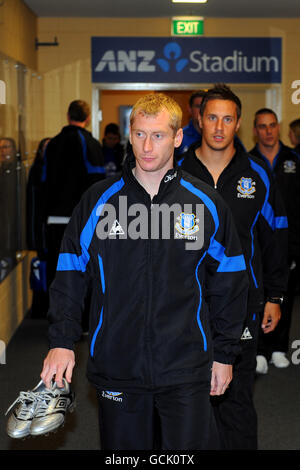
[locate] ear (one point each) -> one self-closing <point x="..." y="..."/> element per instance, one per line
<point x="238" y="125"/>
<point x="200" y="120"/>
<point x="178" y="138"/>
<point x="129" y="137"/>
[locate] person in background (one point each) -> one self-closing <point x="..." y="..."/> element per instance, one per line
<point x="8" y="149"/>
<point x="246" y="186"/>
<point x="284" y="163"/>
<point x="113" y="151"/>
<point x="192" y="131"/>
<point x="73" y="161"/>
<point x="35" y="227"/>
<point x="294" y="134"/>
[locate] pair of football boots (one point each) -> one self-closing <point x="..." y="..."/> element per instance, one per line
<point x="40" y="411"/>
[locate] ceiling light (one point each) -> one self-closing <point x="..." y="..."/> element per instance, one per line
<point x="189" y="1"/>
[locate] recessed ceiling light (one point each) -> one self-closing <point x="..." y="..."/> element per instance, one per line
<point x="189" y="1"/>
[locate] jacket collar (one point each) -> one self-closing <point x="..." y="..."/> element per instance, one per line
<point x="239" y="160"/>
<point x="170" y="179"/>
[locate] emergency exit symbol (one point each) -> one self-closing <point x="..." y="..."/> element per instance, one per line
<point x="187" y="26"/>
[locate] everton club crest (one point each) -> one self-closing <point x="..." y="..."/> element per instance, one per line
<point x="246" y="188"/>
<point x="187" y="224"/>
<point x="289" y="166"/>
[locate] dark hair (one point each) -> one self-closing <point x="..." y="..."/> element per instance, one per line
<point x="196" y="94"/>
<point x="78" y="111"/>
<point x="220" y="91"/>
<point x="112" y="128"/>
<point x="295" y="126"/>
<point x="264" y="111"/>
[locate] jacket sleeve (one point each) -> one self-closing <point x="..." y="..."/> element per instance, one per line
<point x="226" y="289"/>
<point x="69" y="290"/>
<point x="272" y="230"/>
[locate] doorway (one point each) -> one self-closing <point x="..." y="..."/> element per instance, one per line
<point x="109" y="102"/>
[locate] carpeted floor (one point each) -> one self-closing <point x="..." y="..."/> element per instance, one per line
<point x="277" y="395"/>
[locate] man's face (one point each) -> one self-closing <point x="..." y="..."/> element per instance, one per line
<point x="153" y="141"/>
<point x="267" y="130"/>
<point x="195" y="109"/>
<point x="219" y="124"/>
<point x="6" y="150"/>
<point x="293" y="139"/>
<point x="111" y="140"/>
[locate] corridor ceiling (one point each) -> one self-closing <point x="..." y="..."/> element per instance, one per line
<point x="165" y="8"/>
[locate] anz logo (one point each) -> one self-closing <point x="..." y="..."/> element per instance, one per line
<point x="142" y="61"/>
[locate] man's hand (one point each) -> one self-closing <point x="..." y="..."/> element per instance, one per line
<point x="58" y="362"/>
<point x="221" y="377"/>
<point x="272" y="314"/>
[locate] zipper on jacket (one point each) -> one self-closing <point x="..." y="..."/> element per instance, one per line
<point x="149" y="366"/>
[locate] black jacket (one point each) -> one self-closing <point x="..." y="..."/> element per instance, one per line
<point x="249" y="190"/>
<point x="34" y="209"/>
<point x="160" y="313"/>
<point x="73" y="161"/>
<point x="286" y="170"/>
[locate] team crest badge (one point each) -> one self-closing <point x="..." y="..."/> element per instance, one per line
<point x="246" y="187"/>
<point x="289" y="166"/>
<point x="187" y="224"/>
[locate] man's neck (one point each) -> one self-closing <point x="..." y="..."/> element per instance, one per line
<point x="215" y="160"/>
<point x="269" y="152"/>
<point x="77" y="123"/>
<point x="149" y="180"/>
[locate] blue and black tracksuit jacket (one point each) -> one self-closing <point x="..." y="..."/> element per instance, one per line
<point x="159" y="313"/>
<point x="286" y="171"/>
<point x="248" y="187"/>
<point x="73" y="161"/>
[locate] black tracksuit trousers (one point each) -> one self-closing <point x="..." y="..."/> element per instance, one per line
<point x="171" y="418"/>
<point x="278" y="340"/>
<point x="234" y="411"/>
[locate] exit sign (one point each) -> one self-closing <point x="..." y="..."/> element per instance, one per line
<point x="187" y="26"/>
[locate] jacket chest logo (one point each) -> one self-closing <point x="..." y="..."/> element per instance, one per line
<point x="246" y="188"/>
<point x="187" y="224"/>
<point x="289" y="166"/>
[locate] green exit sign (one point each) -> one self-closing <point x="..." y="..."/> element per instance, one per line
<point x="187" y="26"/>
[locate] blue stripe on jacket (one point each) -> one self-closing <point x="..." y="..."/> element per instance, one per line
<point x="72" y="262"/>
<point x="216" y="250"/>
<point x="91" y="169"/>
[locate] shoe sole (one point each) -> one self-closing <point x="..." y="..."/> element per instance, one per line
<point x="260" y="372"/>
<point x="279" y="367"/>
